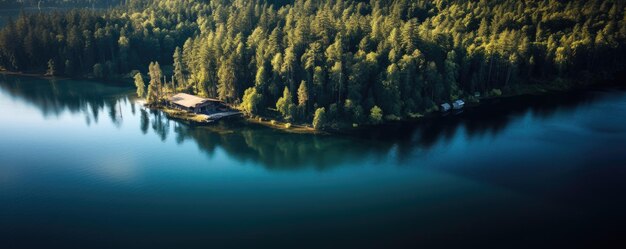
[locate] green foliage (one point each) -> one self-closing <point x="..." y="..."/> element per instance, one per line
<point x="405" y="56"/>
<point x="285" y="105"/>
<point x="251" y="100"/>
<point x="51" y="70"/>
<point x="303" y="94"/>
<point x="226" y="84"/>
<point x="178" y="68"/>
<point x="140" y="85"/>
<point x="495" y="92"/>
<point x="155" y="86"/>
<point x="319" y="120"/>
<point x="376" y="115"/>
<point x="98" y="71"/>
<point x="354" y="111"/>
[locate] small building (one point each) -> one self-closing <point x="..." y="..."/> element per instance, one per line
<point x="458" y="104"/>
<point x="195" y="104"/>
<point x="445" y="107"/>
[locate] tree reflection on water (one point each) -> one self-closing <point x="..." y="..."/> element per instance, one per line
<point x="280" y="150"/>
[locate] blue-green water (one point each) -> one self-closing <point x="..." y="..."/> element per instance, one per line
<point x="82" y="165"/>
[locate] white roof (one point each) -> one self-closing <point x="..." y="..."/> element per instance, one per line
<point x="188" y="100"/>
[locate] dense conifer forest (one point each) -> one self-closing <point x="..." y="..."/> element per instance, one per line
<point x="59" y="3"/>
<point x="327" y="62"/>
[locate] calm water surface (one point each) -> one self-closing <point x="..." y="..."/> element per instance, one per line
<point x="83" y="165"/>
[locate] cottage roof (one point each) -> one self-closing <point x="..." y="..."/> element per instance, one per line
<point x="190" y="101"/>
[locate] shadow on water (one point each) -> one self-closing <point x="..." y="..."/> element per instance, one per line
<point x="530" y="175"/>
<point x="489" y="118"/>
<point x="283" y="151"/>
<point x="53" y="97"/>
<point x="515" y="191"/>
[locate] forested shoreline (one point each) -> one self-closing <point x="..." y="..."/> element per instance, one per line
<point x="326" y="62"/>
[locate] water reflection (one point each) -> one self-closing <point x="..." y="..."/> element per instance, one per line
<point x="488" y="119"/>
<point x="282" y="151"/>
<point x="53" y="97"/>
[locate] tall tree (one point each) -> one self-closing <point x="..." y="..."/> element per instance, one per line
<point x="179" y="78"/>
<point x="51" y="69"/>
<point x="285" y="104"/>
<point x="155" y="85"/>
<point x="139" y="84"/>
<point x="303" y="94"/>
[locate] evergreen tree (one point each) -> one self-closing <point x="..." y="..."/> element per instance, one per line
<point x="250" y="101"/>
<point x="404" y="56"/>
<point x="51" y="70"/>
<point x="98" y="71"/>
<point x="139" y="84"/>
<point x="303" y="94"/>
<point x="285" y="105"/>
<point x="376" y="115"/>
<point x="155" y="85"/>
<point x="227" y="78"/>
<point x="178" y="68"/>
<point x="319" y="120"/>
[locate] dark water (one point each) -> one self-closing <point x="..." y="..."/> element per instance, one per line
<point x="83" y="166"/>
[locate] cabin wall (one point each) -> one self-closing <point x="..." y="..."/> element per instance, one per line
<point x="208" y="107"/>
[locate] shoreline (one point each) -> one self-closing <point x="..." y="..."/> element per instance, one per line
<point x="284" y="126"/>
<point x="472" y="102"/>
<point x="203" y="120"/>
<point x="33" y="75"/>
<point x="118" y="81"/>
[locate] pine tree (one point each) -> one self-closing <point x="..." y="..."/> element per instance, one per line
<point x="98" y="71"/>
<point x="376" y="115"/>
<point x="451" y="76"/>
<point x="284" y="104"/>
<point x="178" y="68"/>
<point x="51" y="70"/>
<point x="155" y="85"/>
<point x="404" y="56"/>
<point x="319" y="120"/>
<point x="226" y="87"/>
<point x="303" y="94"/>
<point x="139" y="84"/>
<point x="251" y="100"/>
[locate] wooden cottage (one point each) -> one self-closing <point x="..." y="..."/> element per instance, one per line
<point x="195" y="104"/>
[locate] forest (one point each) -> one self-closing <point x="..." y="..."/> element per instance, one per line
<point x="329" y="63"/>
<point x="59" y="3"/>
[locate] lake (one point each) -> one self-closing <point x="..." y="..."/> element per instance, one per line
<point x="83" y="165"/>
